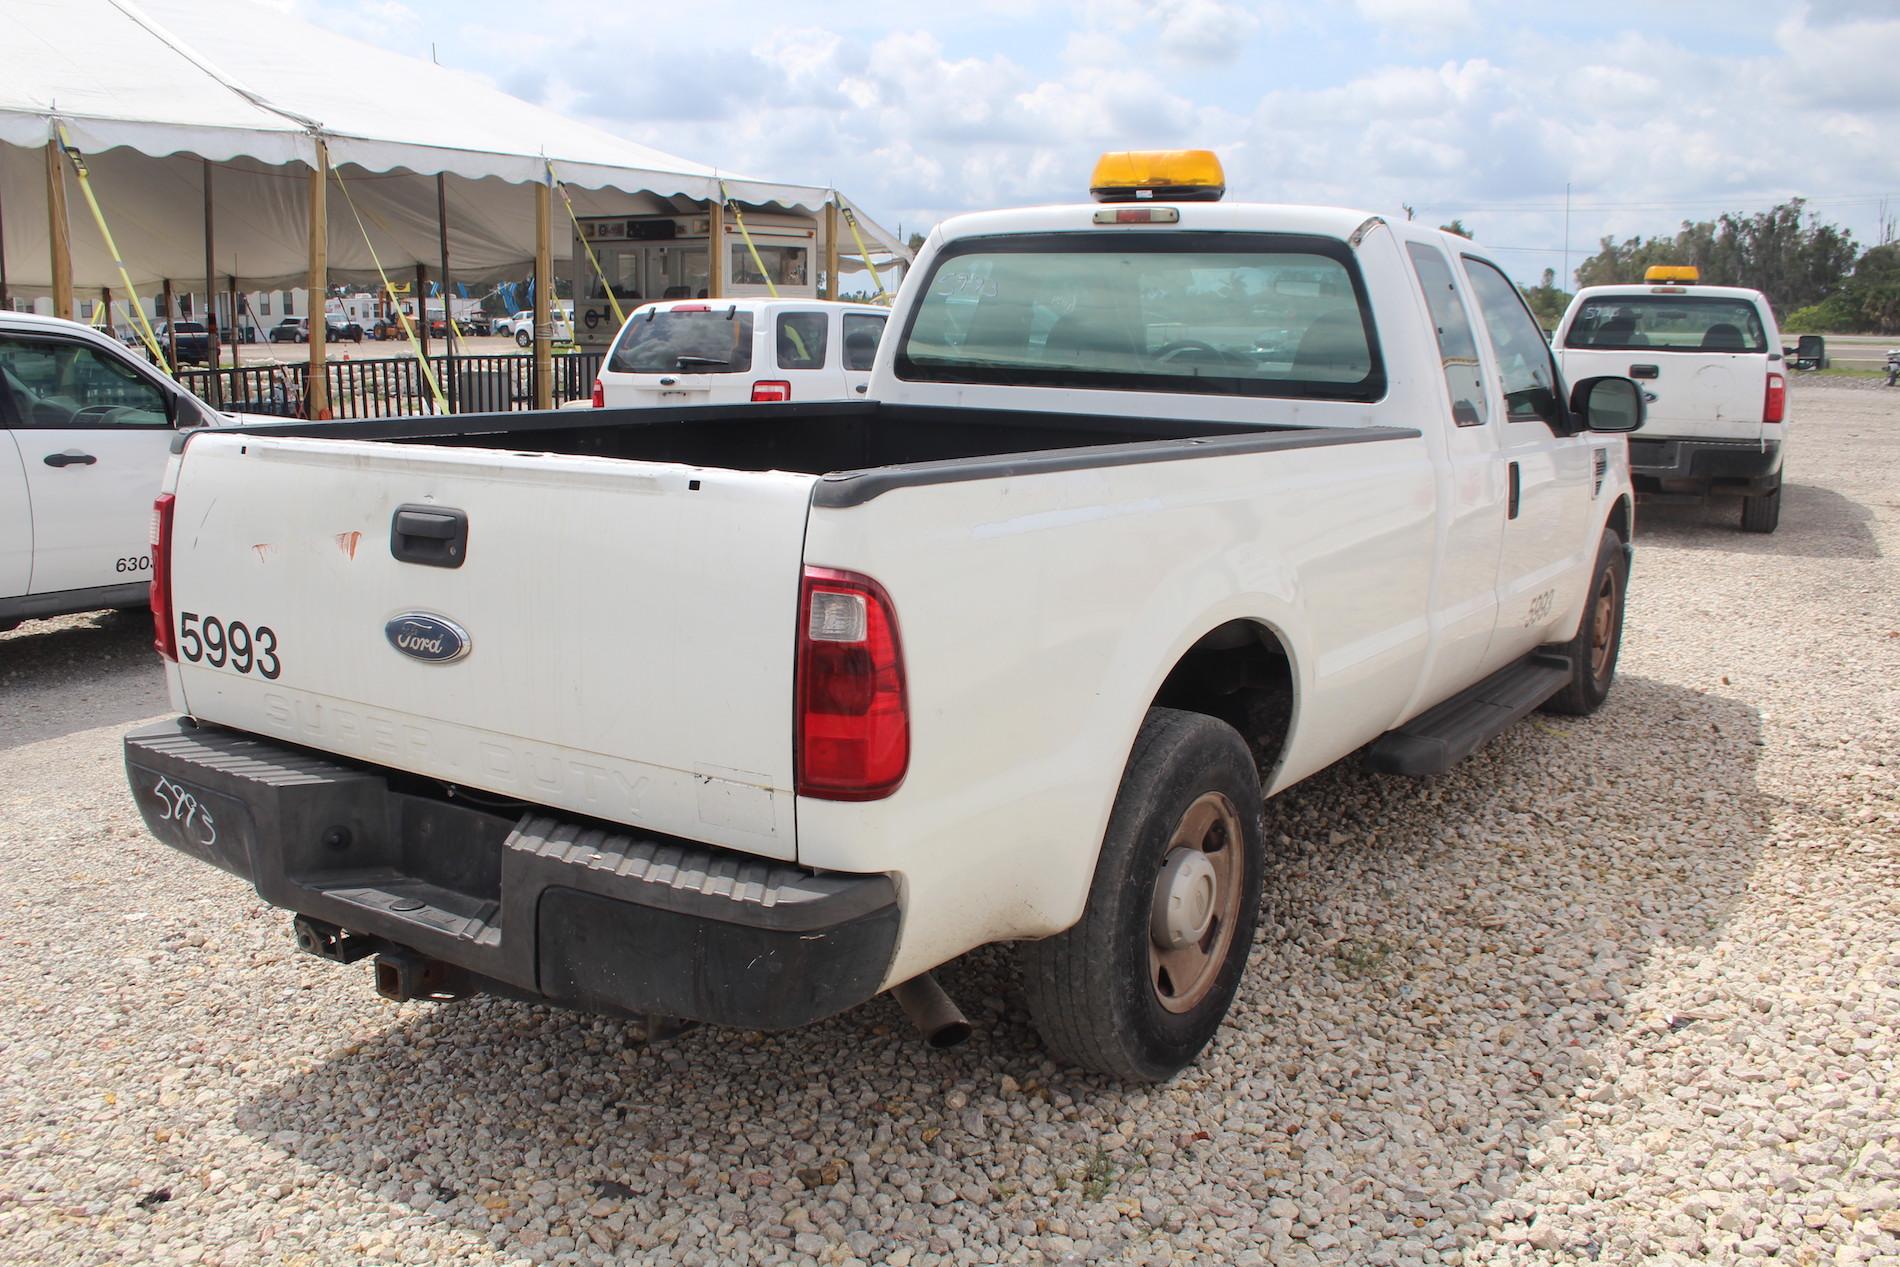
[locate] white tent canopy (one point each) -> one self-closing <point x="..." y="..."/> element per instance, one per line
<point x="159" y="96"/>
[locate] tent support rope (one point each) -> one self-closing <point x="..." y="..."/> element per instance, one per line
<point x="428" y="372"/>
<point x="78" y="161"/>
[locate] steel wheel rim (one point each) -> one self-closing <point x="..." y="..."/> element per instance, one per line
<point x="1182" y="976"/>
<point x="1603" y="625"/>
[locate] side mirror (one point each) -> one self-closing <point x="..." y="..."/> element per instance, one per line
<point x="1607" y="403"/>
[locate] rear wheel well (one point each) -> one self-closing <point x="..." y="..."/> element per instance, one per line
<point x="1240" y="673"/>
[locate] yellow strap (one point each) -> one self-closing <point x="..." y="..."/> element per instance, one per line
<point x="422" y="301"/>
<point x="851" y="222"/>
<point x="738" y="218"/>
<point x="606" y="285"/>
<point x="99" y="218"/>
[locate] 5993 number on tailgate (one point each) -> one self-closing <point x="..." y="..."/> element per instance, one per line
<point x="228" y="644"/>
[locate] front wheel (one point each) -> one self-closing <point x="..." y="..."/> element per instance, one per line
<point x="1599" y="638"/>
<point x="523" y="338"/>
<point x="1142" y="981"/>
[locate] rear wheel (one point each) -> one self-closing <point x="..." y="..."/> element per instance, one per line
<point x="1140" y="984"/>
<point x="1762" y="514"/>
<point x="1594" y="650"/>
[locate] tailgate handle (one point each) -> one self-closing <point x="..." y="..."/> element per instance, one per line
<point x="434" y="536"/>
<point x="1643" y="371"/>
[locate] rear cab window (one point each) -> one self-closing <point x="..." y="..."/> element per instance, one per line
<point x="1248" y="314"/>
<point x="1668" y="323"/>
<point x="690" y="340"/>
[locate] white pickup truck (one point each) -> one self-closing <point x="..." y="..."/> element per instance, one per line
<point x="745" y="714"/>
<point x="1709" y="361"/>
<point x="85" y="428"/>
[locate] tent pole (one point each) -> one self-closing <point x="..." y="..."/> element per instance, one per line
<point x="422" y="311"/>
<point x="6" y="300"/>
<point x="171" y="333"/>
<point x="60" y="237"/>
<point x="543" y="298"/>
<point x="237" y="321"/>
<point x="831" y="248"/>
<point x="715" y="248"/>
<point x="317" y="394"/>
<point x="210" y="314"/>
<point x="448" y="331"/>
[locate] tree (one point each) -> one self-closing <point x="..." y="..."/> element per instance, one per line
<point x="1869" y="302"/>
<point x="1773" y="251"/>
<point x="1458" y="226"/>
<point x="1547" y="301"/>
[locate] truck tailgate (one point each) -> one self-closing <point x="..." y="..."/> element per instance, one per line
<point x="629" y="625"/>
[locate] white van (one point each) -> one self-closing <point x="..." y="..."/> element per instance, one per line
<point x="1708" y="359"/>
<point x="723" y="351"/>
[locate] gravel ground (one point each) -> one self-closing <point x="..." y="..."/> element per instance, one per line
<point x="1621" y="990"/>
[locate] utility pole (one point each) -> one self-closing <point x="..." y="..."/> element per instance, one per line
<point x="1566" y="285"/>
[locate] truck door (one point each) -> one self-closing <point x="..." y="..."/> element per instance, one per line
<point x="1471" y="488"/>
<point x="1548" y="474"/>
<point x="16" y="512"/>
<point x="862" y="333"/>
<point x="93" y="435"/>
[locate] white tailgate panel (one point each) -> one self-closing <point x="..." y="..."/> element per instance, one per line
<point x="632" y="637"/>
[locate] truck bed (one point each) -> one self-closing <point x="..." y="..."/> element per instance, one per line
<point x="862" y="449"/>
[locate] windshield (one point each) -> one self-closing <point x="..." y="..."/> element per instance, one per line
<point x="696" y="340"/>
<point x="1246" y="314"/>
<point x="1668" y="323"/>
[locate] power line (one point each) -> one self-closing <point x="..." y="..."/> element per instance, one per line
<point x="1840" y="200"/>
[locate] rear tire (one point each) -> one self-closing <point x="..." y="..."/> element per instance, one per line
<point x="1599" y="637"/>
<point x="1187" y="825"/>
<point x="1762" y="514"/>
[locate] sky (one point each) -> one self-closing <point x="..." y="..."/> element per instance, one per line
<point x="1650" y="113"/>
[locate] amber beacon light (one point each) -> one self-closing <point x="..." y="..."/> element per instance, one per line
<point x="1166" y="175"/>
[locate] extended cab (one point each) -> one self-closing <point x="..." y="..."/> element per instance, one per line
<point x="720" y="352"/>
<point x="745" y="714"/>
<point x="1709" y="361"/>
<point x="85" y="430"/>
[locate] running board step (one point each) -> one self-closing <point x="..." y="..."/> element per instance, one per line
<point x="1445" y="734"/>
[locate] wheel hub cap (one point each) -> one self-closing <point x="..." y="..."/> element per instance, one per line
<point x="1185" y="897"/>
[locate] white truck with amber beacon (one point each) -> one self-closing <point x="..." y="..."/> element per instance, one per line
<point x="745" y="714"/>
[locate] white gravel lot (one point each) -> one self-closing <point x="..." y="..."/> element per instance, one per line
<point x="1620" y="990"/>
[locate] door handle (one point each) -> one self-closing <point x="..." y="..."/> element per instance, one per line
<point x="434" y="536"/>
<point x="1645" y="371"/>
<point x="71" y="457"/>
<point x="1511" y="505"/>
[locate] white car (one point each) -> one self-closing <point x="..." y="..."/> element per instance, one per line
<point x="724" y="351"/>
<point x="1710" y="363"/>
<point x="85" y="429"/>
<point x="520" y="326"/>
<point x="746" y="713"/>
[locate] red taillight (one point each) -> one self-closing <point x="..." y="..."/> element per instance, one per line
<point x="853" y="722"/>
<point x="600" y="395"/>
<point x="162" y="577"/>
<point x="1774" y="405"/>
<point x="771" y="389"/>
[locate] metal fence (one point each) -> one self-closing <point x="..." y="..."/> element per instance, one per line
<point x="388" y="387"/>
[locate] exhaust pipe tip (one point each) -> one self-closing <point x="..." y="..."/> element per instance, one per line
<point x="939" y="1020"/>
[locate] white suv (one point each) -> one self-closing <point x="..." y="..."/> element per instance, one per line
<point x="1709" y="361"/>
<point x="726" y="351"/>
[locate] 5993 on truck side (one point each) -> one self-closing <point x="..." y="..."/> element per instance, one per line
<point x="745" y="714"/>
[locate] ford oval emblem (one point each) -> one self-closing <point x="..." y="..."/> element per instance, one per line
<point x="425" y="637"/>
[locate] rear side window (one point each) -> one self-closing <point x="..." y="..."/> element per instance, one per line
<point x="1668" y="323"/>
<point x="1530" y="377"/>
<point x="861" y="334"/>
<point x="1246" y="314"/>
<point x="1457" y="346"/>
<point x="689" y="340"/>
<point x="801" y="340"/>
